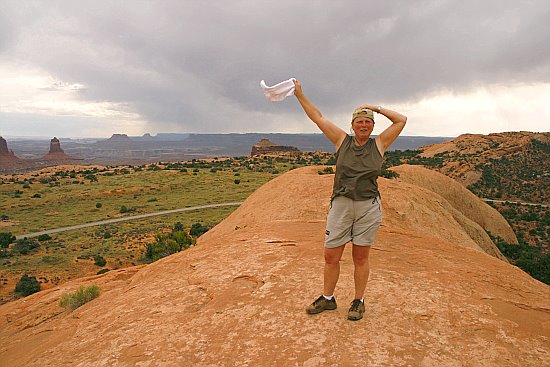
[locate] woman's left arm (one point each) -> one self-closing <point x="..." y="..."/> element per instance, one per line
<point x="388" y="136"/>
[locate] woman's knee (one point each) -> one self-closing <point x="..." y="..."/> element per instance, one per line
<point x="333" y="255"/>
<point x="360" y="255"/>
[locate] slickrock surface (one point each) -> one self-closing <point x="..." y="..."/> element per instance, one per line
<point x="237" y="298"/>
<point x="461" y="199"/>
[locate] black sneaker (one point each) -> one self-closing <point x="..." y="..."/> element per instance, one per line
<point x="321" y="304"/>
<point x="356" y="310"/>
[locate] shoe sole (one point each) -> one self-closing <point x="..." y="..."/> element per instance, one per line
<point x="351" y="318"/>
<point x="314" y="312"/>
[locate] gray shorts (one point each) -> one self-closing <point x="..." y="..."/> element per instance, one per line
<point x="353" y="220"/>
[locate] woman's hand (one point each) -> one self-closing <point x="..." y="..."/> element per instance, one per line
<point x="369" y="106"/>
<point x="298" y="91"/>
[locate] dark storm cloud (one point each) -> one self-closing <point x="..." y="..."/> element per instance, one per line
<point x="196" y="65"/>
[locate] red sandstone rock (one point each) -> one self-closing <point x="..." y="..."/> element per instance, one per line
<point x="434" y="298"/>
<point x="3" y="146"/>
<point x="8" y="160"/>
<point x="56" y="154"/>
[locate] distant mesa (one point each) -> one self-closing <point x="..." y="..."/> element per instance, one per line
<point x="119" y="139"/>
<point x="117" y="142"/>
<point x="265" y="146"/>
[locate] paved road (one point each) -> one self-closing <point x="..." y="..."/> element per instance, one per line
<point x="515" y="202"/>
<point x="124" y="219"/>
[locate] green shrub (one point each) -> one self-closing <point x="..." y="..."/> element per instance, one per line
<point x="167" y="244"/>
<point x="98" y="205"/>
<point x="388" y="173"/>
<point x="198" y="230"/>
<point x="5" y="239"/>
<point x="237" y="182"/>
<point x="24" y="246"/>
<point x="79" y="297"/>
<point x="124" y="209"/>
<point x="326" y="171"/>
<point x="91" y="177"/>
<point x="27" y="286"/>
<point x="531" y="259"/>
<point x="102" y="271"/>
<point x="99" y="260"/>
<point x="44" y="237"/>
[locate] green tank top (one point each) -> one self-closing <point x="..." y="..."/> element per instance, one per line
<point x="357" y="169"/>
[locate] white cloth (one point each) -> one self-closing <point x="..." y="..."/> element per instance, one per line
<point x="279" y="91"/>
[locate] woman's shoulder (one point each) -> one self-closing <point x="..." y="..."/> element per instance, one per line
<point x="345" y="143"/>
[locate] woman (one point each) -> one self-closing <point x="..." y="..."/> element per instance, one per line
<point x="355" y="212"/>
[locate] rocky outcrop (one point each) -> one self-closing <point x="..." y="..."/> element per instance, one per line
<point x="55" y="146"/>
<point x="4" y="147"/>
<point x="265" y="146"/>
<point x="510" y="166"/>
<point x="8" y="160"/>
<point x="464" y="201"/>
<point x="489" y="146"/>
<point x="56" y="154"/>
<point x="237" y="298"/>
<point x="5" y="153"/>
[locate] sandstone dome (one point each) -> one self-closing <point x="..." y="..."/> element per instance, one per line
<point x="435" y="297"/>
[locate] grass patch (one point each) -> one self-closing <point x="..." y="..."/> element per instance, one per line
<point x="79" y="297"/>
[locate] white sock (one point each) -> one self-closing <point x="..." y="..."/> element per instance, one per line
<point x="328" y="297"/>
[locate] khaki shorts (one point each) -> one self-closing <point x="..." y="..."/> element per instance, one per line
<point x="353" y="220"/>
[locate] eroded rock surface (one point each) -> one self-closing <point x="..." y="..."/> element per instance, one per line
<point x="434" y="298"/>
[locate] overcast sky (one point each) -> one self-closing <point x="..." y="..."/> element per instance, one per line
<point x="94" y="68"/>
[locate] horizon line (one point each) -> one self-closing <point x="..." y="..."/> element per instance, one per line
<point x="40" y="137"/>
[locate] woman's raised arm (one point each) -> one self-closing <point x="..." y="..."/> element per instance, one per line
<point x="332" y="132"/>
<point x="391" y="133"/>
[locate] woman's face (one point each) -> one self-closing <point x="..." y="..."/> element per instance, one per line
<point x="362" y="126"/>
